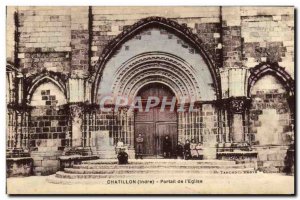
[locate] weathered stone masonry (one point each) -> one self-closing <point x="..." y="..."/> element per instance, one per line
<point x="237" y="63"/>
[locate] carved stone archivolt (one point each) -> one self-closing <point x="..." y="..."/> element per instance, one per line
<point x="156" y="67"/>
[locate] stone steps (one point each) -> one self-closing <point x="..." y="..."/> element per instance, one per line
<point x="96" y="174"/>
<point x="151" y="171"/>
<point x="103" y="170"/>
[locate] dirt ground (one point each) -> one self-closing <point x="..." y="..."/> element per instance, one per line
<point x="259" y="183"/>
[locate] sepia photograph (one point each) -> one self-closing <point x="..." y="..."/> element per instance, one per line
<point x="150" y="100"/>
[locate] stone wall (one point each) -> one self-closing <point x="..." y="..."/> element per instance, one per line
<point x="268" y="36"/>
<point x="10" y="34"/>
<point x="44" y="39"/>
<point x="120" y="124"/>
<point x="271" y="123"/>
<point x="271" y="159"/>
<point x="270" y="116"/>
<point x="49" y="128"/>
<point x="255" y="33"/>
<point x="198" y="125"/>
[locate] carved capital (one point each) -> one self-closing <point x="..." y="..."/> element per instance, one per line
<point x="76" y="112"/>
<point x="236" y="105"/>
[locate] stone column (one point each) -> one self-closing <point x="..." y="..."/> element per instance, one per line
<point x="209" y="115"/>
<point x="80" y="52"/>
<point x="20" y="89"/>
<point x="233" y="73"/>
<point x="130" y="132"/>
<point x="235" y="101"/>
<point x="76" y="112"/>
<point x="18" y="130"/>
<point x="237" y="107"/>
<point x="20" y="133"/>
<point x="77" y="96"/>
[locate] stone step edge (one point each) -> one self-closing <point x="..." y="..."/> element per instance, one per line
<point x="113" y="161"/>
<point x="167" y="159"/>
<point x="198" y="172"/>
<point x="151" y="169"/>
<point x="115" y="166"/>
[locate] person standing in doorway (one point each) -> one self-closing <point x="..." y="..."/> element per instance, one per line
<point x="179" y="150"/>
<point x="139" y="146"/>
<point x="187" y="150"/>
<point x="167" y="147"/>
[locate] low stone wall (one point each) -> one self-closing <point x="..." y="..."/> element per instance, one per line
<point x="45" y="163"/>
<point x="239" y="156"/>
<point x="271" y="158"/>
<point x="19" y="166"/>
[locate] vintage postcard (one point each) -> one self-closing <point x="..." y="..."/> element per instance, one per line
<point x="150" y="100"/>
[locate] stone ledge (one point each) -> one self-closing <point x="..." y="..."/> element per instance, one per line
<point x="239" y="156"/>
<point x="239" y="153"/>
<point x="70" y="161"/>
<point x="18" y="159"/>
<point x="72" y="157"/>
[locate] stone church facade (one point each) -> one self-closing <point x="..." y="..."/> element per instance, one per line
<point x="234" y="64"/>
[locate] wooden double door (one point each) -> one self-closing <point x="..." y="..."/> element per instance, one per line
<point x="154" y="129"/>
<point x="155" y="124"/>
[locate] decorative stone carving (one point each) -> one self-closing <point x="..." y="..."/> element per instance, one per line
<point x="76" y="113"/>
<point x="166" y="68"/>
<point x="236" y="105"/>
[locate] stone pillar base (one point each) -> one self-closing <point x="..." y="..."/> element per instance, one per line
<point x="209" y="147"/>
<point x="209" y="153"/>
<point x="107" y="154"/>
